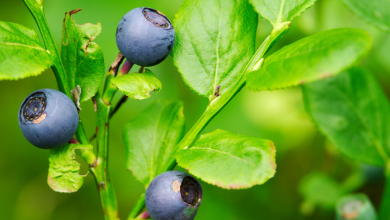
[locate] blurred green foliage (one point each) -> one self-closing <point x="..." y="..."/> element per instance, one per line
<point x="278" y="116"/>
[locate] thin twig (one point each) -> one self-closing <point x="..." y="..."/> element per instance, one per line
<point x="115" y="65"/>
<point x="118" y="105"/>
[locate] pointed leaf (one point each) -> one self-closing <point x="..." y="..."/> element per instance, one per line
<point x="353" y="112"/>
<point x="64" y="169"/>
<point x="137" y="85"/>
<point x="228" y="160"/>
<point x="279" y="11"/>
<point x="21" y="53"/>
<point x="214" y="41"/>
<point x="312" y="58"/>
<point x="151" y="138"/>
<point x="376" y="12"/>
<point x="320" y="189"/>
<point x="83" y="59"/>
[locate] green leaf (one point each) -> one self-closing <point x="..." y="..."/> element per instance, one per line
<point x="376" y="12"/>
<point x="214" y="41"/>
<point x="83" y="59"/>
<point x="279" y="11"/>
<point x="356" y="207"/>
<point x="320" y="189"/>
<point x="64" y="169"/>
<point x="353" y="112"/>
<point x="151" y="138"/>
<point x="21" y="53"/>
<point x="312" y="58"/>
<point x="137" y="85"/>
<point x="228" y="160"/>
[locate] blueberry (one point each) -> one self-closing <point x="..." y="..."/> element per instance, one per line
<point x="173" y="195"/>
<point x="48" y="118"/>
<point x="145" y="36"/>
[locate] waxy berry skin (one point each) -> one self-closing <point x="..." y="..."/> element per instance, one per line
<point x="48" y="118"/>
<point x="173" y="195"/>
<point x="145" y="36"/>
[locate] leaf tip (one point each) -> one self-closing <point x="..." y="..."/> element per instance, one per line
<point x="74" y="11"/>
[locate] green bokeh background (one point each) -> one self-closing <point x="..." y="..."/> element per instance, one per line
<point x="277" y="115"/>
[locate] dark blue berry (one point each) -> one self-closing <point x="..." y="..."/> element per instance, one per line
<point x="173" y="195"/>
<point x="48" y="118"/>
<point x="145" y="36"/>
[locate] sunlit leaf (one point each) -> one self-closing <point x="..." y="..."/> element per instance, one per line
<point x="312" y="58"/>
<point x="82" y="58"/>
<point x="228" y="160"/>
<point x="279" y="11"/>
<point x="64" y="169"/>
<point x="151" y="138"/>
<point x="137" y="85"/>
<point x="214" y="41"/>
<point x="21" y="53"/>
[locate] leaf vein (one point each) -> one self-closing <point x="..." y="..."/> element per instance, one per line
<point x="223" y="152"/>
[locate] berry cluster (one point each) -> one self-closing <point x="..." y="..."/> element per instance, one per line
<point x="49" y="119"/>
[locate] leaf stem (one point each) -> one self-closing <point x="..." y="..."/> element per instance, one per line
<point x="114" y="110"/>
<point x="36" y="9"/>
<point x="139" y="205"/>
<point x="103" y="106"/>
<point x="217" y="103"/>
<point x="384" y="211"/>
<point x="98" y="166"/>
<point x="106" y="190"/>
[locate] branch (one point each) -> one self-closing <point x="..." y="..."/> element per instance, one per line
<point x="217" y="103"/>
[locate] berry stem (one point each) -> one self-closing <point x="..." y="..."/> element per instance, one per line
<point x="217" y="103"/>
<point x="125" y="68"/>
<point x="109" y="89"/>
<point x="87" y="154"/>
<point x="144" y="215"/>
